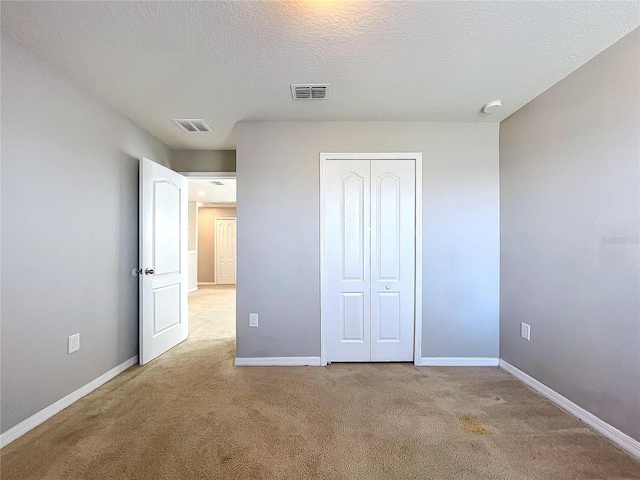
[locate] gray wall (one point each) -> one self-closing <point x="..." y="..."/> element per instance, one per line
<point x="69" y="235"/>
<point x="279" y="231"/>
<point x="204" y="160"/>
<point x="569" y="174"/>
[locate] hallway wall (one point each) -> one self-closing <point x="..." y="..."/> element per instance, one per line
<point x="204" y="160"/>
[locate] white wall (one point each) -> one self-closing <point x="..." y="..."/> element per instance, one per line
<point x="570" y="178"/>
<point x="69" y="234"/>
<point x="279" y="231"/>
<point x="192" y="256"/>
<point x="192" y="270"/>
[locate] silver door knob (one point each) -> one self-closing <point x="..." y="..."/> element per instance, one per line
<point x="387" y="287"/>
<point x="149" y="271"/>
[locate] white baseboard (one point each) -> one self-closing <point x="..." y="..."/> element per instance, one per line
<point x="277" y="361"/>
<point x="46" y="413"/>
<point x="192" y="290"/>
<point x="621" y="439"/>
<point x="458" y="362"/>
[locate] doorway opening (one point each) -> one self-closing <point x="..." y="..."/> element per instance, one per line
<point x="212" y="255"/>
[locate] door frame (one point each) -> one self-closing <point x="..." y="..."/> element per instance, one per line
<point x="417" y="312"/>
<point x="215" y="249"/>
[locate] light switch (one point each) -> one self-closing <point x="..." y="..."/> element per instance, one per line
<point x="525" y="331"/>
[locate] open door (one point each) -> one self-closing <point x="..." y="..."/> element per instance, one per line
<point x="164" y="321"/>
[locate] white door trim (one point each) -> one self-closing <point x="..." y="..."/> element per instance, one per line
<point x="417" y="157"/>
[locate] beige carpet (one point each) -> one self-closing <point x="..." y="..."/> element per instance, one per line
<point x="192" y="414"/>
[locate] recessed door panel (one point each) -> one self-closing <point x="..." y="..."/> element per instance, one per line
<point x="352" y="213"/>
<point x="388" y="225"/>
<point x="389" y="321"/>
<point x="166" y="227"/>
<point x="166" y="308"/>
<point x="353" y="317"/>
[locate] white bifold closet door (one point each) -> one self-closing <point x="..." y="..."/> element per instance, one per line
<point x="369" y="263"/>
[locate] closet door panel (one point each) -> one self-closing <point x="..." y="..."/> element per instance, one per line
<point x="346" y="298"/>
<point x="392" y="259"/>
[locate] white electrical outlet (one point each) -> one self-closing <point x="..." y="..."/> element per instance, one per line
<point x="74" y="342"/>
<point x="525" y="331"/>
<point x="253" y="319"/>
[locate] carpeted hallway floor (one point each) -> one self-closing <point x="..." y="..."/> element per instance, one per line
<point x="192" y="414"/>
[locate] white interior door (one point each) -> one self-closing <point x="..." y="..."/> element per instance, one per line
<point x="369" y="260"/>
<point x="163" y="260"/>
<point x="225" y="251"/>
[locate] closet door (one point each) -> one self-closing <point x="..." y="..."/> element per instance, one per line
<point x="346" y="314"/>
<point x="392" y="259"/>
<point x="368" y="294"/>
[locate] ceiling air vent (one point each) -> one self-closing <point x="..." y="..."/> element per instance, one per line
<point x="216" y="182"/>
<point x="316" y="91"/>
<point x="222" y="204"/>
<point x="193" y="125"/>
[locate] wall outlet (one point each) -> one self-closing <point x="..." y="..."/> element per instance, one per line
<point x="525" y="331"/>
<point x="74" y="342"/>
<point x="253" y="319"/>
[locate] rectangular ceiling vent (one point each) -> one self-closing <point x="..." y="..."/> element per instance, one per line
<point x="216" y="182"/>
<point x="193" y="125"/>
<point x="222" y="204"/>
<point x="315" y="91"/>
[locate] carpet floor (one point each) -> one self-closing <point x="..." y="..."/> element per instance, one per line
<point x="191" y="414"/>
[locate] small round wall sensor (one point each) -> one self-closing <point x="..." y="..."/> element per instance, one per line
<point x="492" y="107"/>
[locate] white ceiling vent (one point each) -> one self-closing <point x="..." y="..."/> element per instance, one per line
<point x="216" y="182"/>
<point x="193" y="125"/>
<point x="222" y="204"/>
<point x="315" y="91"/>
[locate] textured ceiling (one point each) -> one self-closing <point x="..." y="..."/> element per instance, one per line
<point x="386" y="61"/>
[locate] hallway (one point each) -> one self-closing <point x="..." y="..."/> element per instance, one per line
<point x="212" y="312"/>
